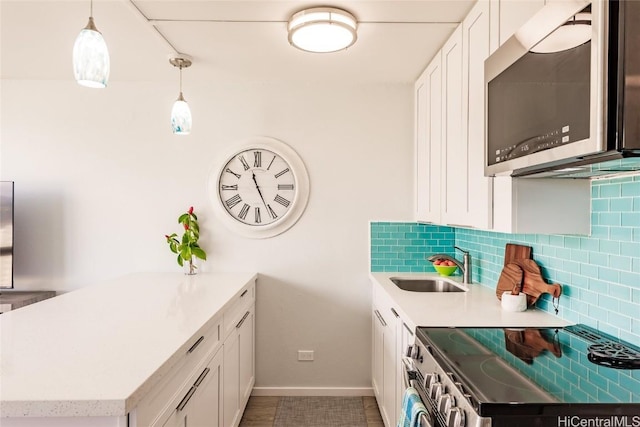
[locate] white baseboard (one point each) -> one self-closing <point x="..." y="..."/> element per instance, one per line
<point x="312" y="391"/>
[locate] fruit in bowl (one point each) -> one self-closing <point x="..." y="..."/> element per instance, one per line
<point x="445" y="267"/>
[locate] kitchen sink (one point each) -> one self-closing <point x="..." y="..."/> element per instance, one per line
<point x="425" y="285"/>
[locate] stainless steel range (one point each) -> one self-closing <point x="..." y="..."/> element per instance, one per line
<point x="568" y="377"/>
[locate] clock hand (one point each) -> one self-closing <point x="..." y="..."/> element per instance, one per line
<point x="258" y="188"/>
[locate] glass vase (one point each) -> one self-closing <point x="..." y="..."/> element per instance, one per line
<point x="191" y="266"/>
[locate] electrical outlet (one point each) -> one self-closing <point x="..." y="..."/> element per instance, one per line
<point x="305" y="355"/>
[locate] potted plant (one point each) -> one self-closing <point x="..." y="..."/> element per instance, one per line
<point x="187" y="248"/>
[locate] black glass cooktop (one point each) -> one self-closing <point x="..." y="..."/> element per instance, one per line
<point x="575" y="365"/>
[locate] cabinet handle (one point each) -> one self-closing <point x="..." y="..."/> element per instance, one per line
<point x="201" y="377"/>
<point x="197" y="343"/>
<point x="242" y="320"/>
<point x="186" y="399"/>
<point x="395" y="313"/>
<point x="380" y="318"/>
<point x="244" y="293"/>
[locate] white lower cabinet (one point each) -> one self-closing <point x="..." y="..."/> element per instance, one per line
<point x="391" y="336"/>
<point x="210" y="383"/>
<point x="201" y="405"/>
<point x="239" y="368"/>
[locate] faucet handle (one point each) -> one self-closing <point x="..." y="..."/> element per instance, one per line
<point x="461" y="250"/>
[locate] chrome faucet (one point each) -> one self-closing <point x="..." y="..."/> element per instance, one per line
<point x="465" y="267"/>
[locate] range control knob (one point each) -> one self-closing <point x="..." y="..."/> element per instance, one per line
<point x="455" y="418"/>
<point x="436" y="390"/>
<point x="445" y="403"/>
<point x="429" y="379"/>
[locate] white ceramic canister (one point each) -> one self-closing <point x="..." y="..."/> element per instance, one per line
<point x="514" y="302"/>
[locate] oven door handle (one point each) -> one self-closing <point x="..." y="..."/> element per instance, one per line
<point x="409" y="371"/>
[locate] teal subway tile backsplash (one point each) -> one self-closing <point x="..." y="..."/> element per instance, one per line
<point x="600" y="274"/>
<point x="404" y="247"/>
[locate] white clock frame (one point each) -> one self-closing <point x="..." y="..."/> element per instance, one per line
<point x="301" y="188"/>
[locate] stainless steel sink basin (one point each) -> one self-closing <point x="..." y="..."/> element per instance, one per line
<point x="425" y="285"/>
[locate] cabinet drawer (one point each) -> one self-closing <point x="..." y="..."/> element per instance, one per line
<point x="238" y="307"/>
<point x="199" y="348"/>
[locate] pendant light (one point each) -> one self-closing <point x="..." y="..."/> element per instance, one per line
<point x="322" y="29"/>
<point x="91" y="56"/>
<point x="180" y="113"/>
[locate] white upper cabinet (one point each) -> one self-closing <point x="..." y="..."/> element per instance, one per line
<point x="454" y="151"/>
<point x="450" y="140"/>
<point x="428" y="141"/>
<point x="476" y="44"/>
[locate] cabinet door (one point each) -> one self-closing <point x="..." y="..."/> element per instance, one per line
<point x="239" y="368"/>
<point x="377" y="356"/>
<point x="231" y="372"/>
<point x="246" y="342"/>
<point x="202" y="403"/>
<point x="476" y="209"/>
<point x="390" y="367"/>
<point x="205" y="407"/>
<point x="428" y="141"/>
<point x="454" y="150"/>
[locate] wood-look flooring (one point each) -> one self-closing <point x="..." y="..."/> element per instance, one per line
<point x="261" y="412"/>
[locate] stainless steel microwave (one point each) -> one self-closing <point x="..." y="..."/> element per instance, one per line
<point x="563" y="93"/>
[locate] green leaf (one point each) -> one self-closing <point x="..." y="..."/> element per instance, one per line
<point x="180" y="260"/>
<point x="186" y="253"/>
<point x="199" y="253"/>
<point x="194" y="216"/>
<point x="183" y="218"/>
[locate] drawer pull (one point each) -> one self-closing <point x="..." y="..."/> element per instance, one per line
<point x="242" y="320"/>
<point x="407" y="328"/>
<point x="197" y="343"/>
<point x="244" y="293"/>
<point x="201" y="377"/>
<point x="186" y="399"/>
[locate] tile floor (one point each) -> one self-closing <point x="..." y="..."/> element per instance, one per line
<point x="261" y="412"/>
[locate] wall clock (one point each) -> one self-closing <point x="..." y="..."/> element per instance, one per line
<point x="260" y="188"/>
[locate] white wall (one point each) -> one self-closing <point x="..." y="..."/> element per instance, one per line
<point x="100" y="180"/>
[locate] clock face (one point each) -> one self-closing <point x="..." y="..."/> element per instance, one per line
<point x="257" y="187"/>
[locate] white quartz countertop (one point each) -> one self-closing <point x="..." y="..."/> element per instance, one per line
<point x="97" y="351"/>
<point x="478" y="307"/>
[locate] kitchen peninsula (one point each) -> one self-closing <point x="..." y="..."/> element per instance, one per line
<point x="129" y="352"/>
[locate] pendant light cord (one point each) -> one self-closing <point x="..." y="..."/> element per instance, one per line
<point x="91" y="8"/>
<point x="181" y="79"/>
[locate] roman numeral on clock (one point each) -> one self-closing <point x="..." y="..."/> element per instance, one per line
<point x="257" y="216"/>
<point x="284" y="202"/>
<point x="243" y="212"/>
<point x="282" y="172"/>
<point x="233" y="201"/>
<point x="245" y="165"/>
<point x="285" y="186"/>
<point x="232" y="173"/>
<point x="230" y="187"/>
<point x="257" y="159"/>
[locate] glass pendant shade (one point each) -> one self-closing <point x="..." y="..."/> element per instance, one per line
<point x="322" y="30"/>
<point x="91" y="58"/>
<point x="181" y="117"/>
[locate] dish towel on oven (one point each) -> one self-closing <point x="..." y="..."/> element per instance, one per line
<point x="412" y="407"/>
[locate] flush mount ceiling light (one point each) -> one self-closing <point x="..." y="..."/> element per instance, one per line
<point x="322" y="29"/>
<point x="91" y="56"/>
<point x="573" y="33"/>
<point x="180" y="113"/>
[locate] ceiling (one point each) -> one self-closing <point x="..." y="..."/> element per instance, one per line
<point x="232" y="40"/>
